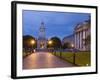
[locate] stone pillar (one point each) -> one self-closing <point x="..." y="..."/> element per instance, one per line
<point x="84" y="36"/>
<point x="75" y="39"/>
<point x="82" y="40"/>
<point x="78" y="40"/>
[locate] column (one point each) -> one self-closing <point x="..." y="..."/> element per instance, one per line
<point x="84" y="36"/>
<point x="75" y="40"/>
<point x="80" y="39"/>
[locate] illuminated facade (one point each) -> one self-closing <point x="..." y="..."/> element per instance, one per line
<point x="42" y="41"/>
<point x="68" y="39"/>
<point x="82" y="36"/>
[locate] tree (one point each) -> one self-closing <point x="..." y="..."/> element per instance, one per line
<point x="27" y="39"/>
<point x="56" y="43"/>
<point x="66" y="45"/>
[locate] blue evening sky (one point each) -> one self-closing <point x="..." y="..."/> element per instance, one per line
<point x="58" y="24"/>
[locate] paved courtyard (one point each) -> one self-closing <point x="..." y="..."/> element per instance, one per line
<point x="44" y="60"/>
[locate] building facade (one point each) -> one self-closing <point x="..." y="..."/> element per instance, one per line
<point x="68" y="39"/>
<point x="82" y="36"/>
<point x="42" y="41"/>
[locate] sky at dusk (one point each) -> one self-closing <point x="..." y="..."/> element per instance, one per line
<point x="58" y="24"/>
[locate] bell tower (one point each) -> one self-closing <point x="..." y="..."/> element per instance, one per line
<point x="42" y="42"/>
<point x="42" y="30"/>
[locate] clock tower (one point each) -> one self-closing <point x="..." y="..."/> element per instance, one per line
<point x="42" y="42"/>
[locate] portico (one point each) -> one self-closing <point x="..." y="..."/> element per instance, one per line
<point x="82" y="31"/>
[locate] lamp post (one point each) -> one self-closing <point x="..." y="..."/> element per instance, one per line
<point x="50" y="42"/>
<point x="32" y="42"/>
<point x="60" y="52"/>
<point x="72" y="45"/>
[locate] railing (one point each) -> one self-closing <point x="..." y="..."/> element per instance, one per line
<point x="79" y="58"/>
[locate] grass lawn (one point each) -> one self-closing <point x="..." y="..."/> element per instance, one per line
<point x="81" y="58"/>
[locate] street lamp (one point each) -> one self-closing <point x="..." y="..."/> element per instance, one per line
<point x="50" y="42"/>
<point x="32" y="42"/>
<point x="72" y="45"/>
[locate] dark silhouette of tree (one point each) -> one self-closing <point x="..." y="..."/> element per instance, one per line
<point x="27" y="42"/>
<point x="66" y="45"/>
<point x="56" y="43"/>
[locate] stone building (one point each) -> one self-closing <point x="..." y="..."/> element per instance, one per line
<point x="68" y="39"/>
<point x="82" y="36"/>
<point x="42" y="41"/>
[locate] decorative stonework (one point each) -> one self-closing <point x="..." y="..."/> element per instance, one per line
<point x="42" y="41"/>
<point x="81" y="32"/>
